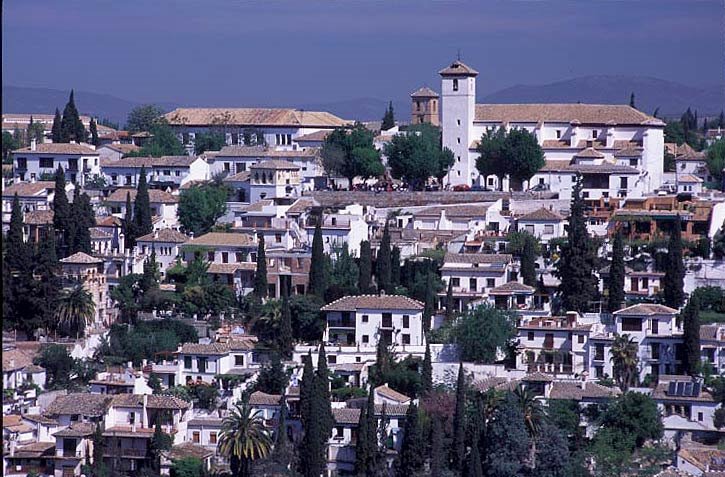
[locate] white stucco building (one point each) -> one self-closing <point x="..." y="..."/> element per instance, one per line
<point x="80" y="162"/>
<point x="618" y="135"/>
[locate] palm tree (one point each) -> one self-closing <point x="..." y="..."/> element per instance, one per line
<point x="533" y="415"/>
<point x="76" y="308"/>
<point x="624" y="360"/>
<point x="244" y="438"/>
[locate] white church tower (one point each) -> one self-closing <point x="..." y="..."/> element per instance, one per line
<point x="458" y="110"/>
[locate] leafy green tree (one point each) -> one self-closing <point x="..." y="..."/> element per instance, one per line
<point x="691" y="336"/>
<point x="417" y="155"/>
<point x="93" y="127"/>
<point x="244" y="438"/>
<point x="431" y="299"/>
<point x="459" y="422"/>
<point x="35" y="131"/>
<point x="200" y="207"/>
<point x="272" y="377"/>
<point x="634" y="414"/>
<point x="382" y="264"/>
<point x="307" y="321"/>
<point x="552" y="454"/>
<point x="260" y="275"/>
<point x="344" y="273"/>
<point x="317" y="282"/>
<point x="142" y="118"/>
<point x="76" y="309"/>
<point x="71" y="126"/>
<point x="624" y="361"/>
<point x="483" y="332"/>
<point x="82" y="218"/>
<point x="142" y="207"/>
<point x="575" y="268"/>
<point x="506" y="440"/>
<point x="616" y="274"/>
<point x="20" y="255"/>
<point x="388" y="118"/>
<point x="56" y="131"/>
<point x="515" y="153"/>
<point x="427" y="372"/>
<point x="150" y="277"/>
<point x="716" y="159"/>
<point x="366" y="266"/>
<point x="533" y="414"/>
<point x="351" y="153"/>
<point x="58" y="365"/>
<point x="673" y="282"/>
<point x="9" y="145"/>
<point x="47" y="270"/>
<point x="323" y="393"/>
<point x="449" y="302"/>
<point x="208" y="141"/>
<point x="162" y="142"/>
<point x="188" y="467"/>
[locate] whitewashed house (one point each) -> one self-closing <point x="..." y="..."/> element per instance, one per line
<point x="472" y="275"/>
<point x="80" y="162"/>
<point x="164" y="206"/>
<point x="544" y="224"/>
<point x="166" y="243"/>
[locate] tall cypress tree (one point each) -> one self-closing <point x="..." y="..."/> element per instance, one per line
<point x="365" y="267"/>
<point x="449" y="301"/>
<point x="317" y="284"/>
<point x="576" y="265"/>
<point x="475" y="468"/>
<point x="50" y="285"/>
<point x="30" y="132"/>
<point x="307" y="390"/>
<point x="430" y="302"/>
<point x="616" y="274"/>
<point x="83" y="219"/>
<point x="372" y="434"/>
<point x="94" y="133"/>
<point x="426" y="379"/>
<point x="362" y="447"/>
<point x="150" y="277"/>
<point x="631" y="100"/>
<point x="323" y="394"/>
<point x="411" y="456"/>
<point x="61" y="208"/>
<point x="437" y="457"/>
<point x="674" y="279"/>
<point x="459" y="422"/>
<point x="72" y="128"/>
<point x="691" y="336"/>
<point x="286" y="344"/>
<point x="55" y="132"/>
<point x="142" y="207"/>
<point x="18" y="257"/>
<point x="382" y="264"/>
<point x="388" y="118"/>
<point x="528" y="261"/>
<point x="260" y="275"/>
<point x="129" y="237"/>
<point x="395" y="266"/>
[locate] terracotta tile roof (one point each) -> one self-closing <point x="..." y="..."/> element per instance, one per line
<point x="467" y="210"/>
<point x="563" y="113"/>
<point x="555" y="144"/>
<point x="491" y="383"/>
<point x="709" y="460"/>
<point x="238" y="177"/>
<point x="223" y="239"/>
<point x="159" y="401"/>
<point x="243" y="344"/>
<point x="626" y="143"/>
<point x="109" y="221"/>
<point x="14" y="423"/>
<point x="373" y="302"/>
<point x="210" y="348"/>
<point x="98" y="233"/>
<point x="122" y="148"/>
<point x="565" y="166"/>
<point x="230" y="268"/>
<point x="646" y="309"/>
<point x="29" y="189"/>
<point x="346" y="416"/>
<point x="511" y="287"/>
<point x="478" y="258"/>
<point x="589" y="152"/>
<point x="35" y="450"/>
<point x="390" y="393"/>
<point x="188" y="449"/>
<point x="40" y="418"/>
<point x="156" y="196"/>
<point x="38" y="217"/>
<point x="537" y="377"/>
<point x="258" y="398"/>
<point x="710" y="332"/>
<point x="80" y="403"/>
<point x="317" y="136"/>
<point x="542" y="214"/>
<point x="59" y="148"/>
<point x="33" y="369"/>
<point x="77" y="429"/>
<point x="348" y="367"/>
<point x="301" y="205"/>
<point x="127" y="400"/>
<point x="206" y="422"/>
<point x="397" y="410"/>
<point x="275" y="164"/>
<point x="424" y="92"/>
<point x="151" y="162"/>
<point x="80" y="257"/>
<point x="458" y="68"/>
<point x="689" y="179"/>
<point x="164" y="235"/>
<point x="252" y="117"/>
<point x="573" y="390"/>
<point x="629" y="152"/>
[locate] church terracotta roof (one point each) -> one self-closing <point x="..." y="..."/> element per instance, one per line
<point x="458" y="68"/>
<point x="424" y="92"/>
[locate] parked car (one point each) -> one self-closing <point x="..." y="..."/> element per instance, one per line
<point x="539" y="188"/>
<point x="461" y="187"/>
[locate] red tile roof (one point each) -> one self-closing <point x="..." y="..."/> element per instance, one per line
<point x="374" y="302"/>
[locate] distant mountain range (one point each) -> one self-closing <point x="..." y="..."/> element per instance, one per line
<point x="671" y="98"/>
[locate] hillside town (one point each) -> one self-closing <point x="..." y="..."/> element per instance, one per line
<point x="458" y="289"/>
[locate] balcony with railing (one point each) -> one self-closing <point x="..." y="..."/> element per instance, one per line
<point x="125" y="452"/>
<point x="340" y="323"/>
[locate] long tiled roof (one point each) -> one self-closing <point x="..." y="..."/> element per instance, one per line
<point x="226" y="239"/>
<point x="210" y="348"/>
<point x="564" y="113"/>
<point x="511" y="287"/>
<point x="38" y="217"/>
<point x="629" y="152"/>
<point x="14" y="359"/>
<point x="77" y="429"/>
<point x="317" y="136"/>
<point x="252" y="117"/>
<point x="542" y="214"/>
<point x="565" y="166"/>
<point x="275" y="164"/>
<point x="646" y="309"/>
<point x="28" y="189"/>
<point x="122" y="148"/>
<point x="258" y="398"/>
<point x="156" y="196"/>
<point x="80" y="403"/>
<point x="467" y="210"/>
<point x="573" y="390"/>
<point x="188" y="449"/>
<point x="59" y="148"/>
<point x="373" y="302"/>
<point x="590" y="153"/>
<point x="710" y="332"/>
<point x="163" y="161"/>
<point x="478" y="258"/>
<point x="159" y="401"/>
<point x="35" y="450"/>
<point x="264" y="151"/>
<point x="390" y="393"/>
<point x="164" y="235"/>
<point x="660" y="393"/>
<point x="346" y="415"/>
<point x="80" y="257"/>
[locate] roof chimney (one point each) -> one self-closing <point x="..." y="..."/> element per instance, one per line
<point x="33" y="144"/>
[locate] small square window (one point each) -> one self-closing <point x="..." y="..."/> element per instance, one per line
<point x="365" y="318"/>
<point x="455" y="85"/>
<point x="580" y="339"/>
<point x="406" y="339"/>
<point x="365" y="338"/>
<point x="530" y="336"/>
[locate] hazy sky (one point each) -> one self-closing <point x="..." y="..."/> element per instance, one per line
<point x="236" y="53"/>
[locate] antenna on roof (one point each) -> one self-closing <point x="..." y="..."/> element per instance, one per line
<point x="459" y="54"/>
